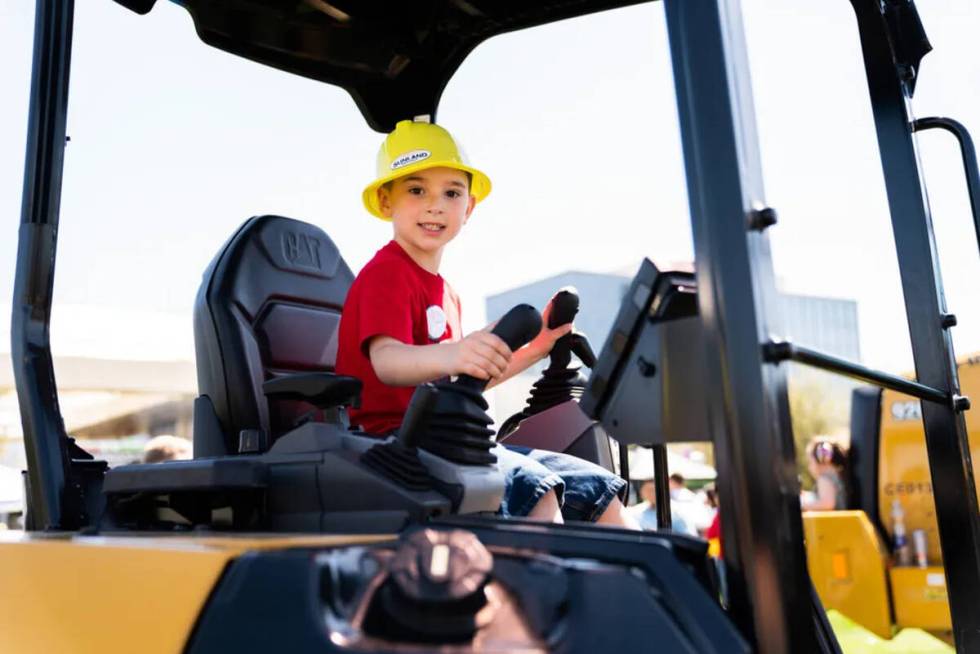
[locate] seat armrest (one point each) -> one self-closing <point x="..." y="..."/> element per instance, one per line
<point x="324" y="390"/>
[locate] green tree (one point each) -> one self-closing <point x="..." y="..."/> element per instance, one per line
<point x="813" y="412"/>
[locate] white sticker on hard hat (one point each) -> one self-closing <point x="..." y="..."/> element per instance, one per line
<point x="436" y="319"/>
<point x="410" y="158"/>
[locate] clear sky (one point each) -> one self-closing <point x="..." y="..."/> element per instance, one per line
<point x="174" y="144"/>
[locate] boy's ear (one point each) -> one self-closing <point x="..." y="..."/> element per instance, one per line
<point x="469" y="208"/>
<point x="384" y="201"/>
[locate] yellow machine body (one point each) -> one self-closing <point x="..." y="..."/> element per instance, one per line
<point x="848" y="562"/>
<point x="839" y="541"/>
<point x="903" y="467"/>
<point x="149" y="590"/>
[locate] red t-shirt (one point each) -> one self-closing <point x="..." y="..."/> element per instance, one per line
<point x="392" y="296"/>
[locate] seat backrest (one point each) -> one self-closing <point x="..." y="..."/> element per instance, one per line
<point x="269" y="305"/>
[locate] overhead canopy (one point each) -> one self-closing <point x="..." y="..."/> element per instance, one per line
<point x="394" y="58"/>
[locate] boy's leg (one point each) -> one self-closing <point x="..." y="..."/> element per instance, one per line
<point x="592" y="493"/>
<point x="616" y="515"/>
<point x="547" y="509"/>
<point x="531" y="489"/>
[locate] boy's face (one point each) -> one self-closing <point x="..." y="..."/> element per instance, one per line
<point x="427" y="208"/>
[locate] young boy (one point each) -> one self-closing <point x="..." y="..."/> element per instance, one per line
<point x="401" y="324"/>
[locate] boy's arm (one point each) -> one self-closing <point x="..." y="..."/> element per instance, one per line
<point x="481" y="354"/>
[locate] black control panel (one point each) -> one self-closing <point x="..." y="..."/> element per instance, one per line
<point x="491" y="586"/>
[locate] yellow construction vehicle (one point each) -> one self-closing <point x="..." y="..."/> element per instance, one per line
<point x="883" y="576"/>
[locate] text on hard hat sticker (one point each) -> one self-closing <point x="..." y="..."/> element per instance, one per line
<point x="410" y="158"/>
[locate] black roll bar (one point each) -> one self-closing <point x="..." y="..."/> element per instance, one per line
<point x="748" y="411"/>
<point x="45" y="440"/>
<point x="950" y="461"/>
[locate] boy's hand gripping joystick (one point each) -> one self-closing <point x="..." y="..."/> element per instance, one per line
<point x="450" y="419"/>
<point x="517" y="328"/>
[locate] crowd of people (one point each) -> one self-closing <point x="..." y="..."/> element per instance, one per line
<point x="691" y="512"/>
<point x="695" y="513"/>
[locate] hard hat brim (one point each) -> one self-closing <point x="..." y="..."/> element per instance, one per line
<point x="479" y="185"/>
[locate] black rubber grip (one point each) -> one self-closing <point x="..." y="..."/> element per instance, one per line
<point x="517" y="328"/>
<point x="564" y="306"/>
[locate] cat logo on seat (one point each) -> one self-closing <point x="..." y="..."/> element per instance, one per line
<point x="301" y="250"/>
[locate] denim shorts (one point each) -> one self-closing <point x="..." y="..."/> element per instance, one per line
<point x="584" y="489"/>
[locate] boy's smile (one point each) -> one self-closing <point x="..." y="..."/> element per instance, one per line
<point x="427" y="209"/>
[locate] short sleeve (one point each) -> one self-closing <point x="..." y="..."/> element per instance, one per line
<point x="385" y="304"/>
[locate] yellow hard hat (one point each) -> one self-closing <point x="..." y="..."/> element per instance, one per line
<point x="418" y="146"/>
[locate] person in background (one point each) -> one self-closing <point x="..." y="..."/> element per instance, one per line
<point x="711" y="496"/>
<point x="645" y="512"/>
<point x="166" y="448"/>
<point x="826" y="462"/>
<point x="687" y="504"/>
<point x="679" y="492"/>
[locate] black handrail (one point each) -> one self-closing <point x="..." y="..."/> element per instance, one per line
<point x="776" y="351"/>
<point x="969" y="154"/>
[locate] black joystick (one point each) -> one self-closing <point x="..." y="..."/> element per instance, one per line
<point x="517" y="328"/>
<point x="450" y="419"/>
<point x="560" y="382"/>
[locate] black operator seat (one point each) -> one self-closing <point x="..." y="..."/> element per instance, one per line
<point x="268" y="309"/>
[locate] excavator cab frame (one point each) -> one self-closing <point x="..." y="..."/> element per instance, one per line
<point x="395" y="59"/>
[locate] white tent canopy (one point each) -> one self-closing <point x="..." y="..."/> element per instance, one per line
<point x="641" y="466"/>
<point x="11" y="490"/>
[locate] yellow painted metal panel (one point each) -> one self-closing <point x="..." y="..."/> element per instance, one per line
<point x="60" y="596"/>
<point x="903" y="467"/>
<point x="920" y="599"/>
<point x="106" y="594"/>
<point x="847" y="563"/>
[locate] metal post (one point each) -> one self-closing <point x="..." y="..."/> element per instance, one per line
<point x="946" y="439"/>
<point x="661" y="487"/>
<point x="44" y="431"/>
<point x="748" y="411"/>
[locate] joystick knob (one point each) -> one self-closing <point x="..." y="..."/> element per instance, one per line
<point x="440" y="566"/>
<point x="435" y="591"/>
<point x="564" y="307"/>
<point x="517" y="328"/>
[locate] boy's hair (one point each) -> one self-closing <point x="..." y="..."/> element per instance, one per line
<point x="469" y="182"/>
<point x="678" y="478"/>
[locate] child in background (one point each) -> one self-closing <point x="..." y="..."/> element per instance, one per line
<point x="826" y="462"/>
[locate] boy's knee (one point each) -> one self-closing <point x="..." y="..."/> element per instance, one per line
<point x="547" y="509"/>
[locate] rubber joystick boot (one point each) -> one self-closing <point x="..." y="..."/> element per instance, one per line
<point x="458" y="427"/>
<point x="450" y="419"/>
<point x="435" y="587"/>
